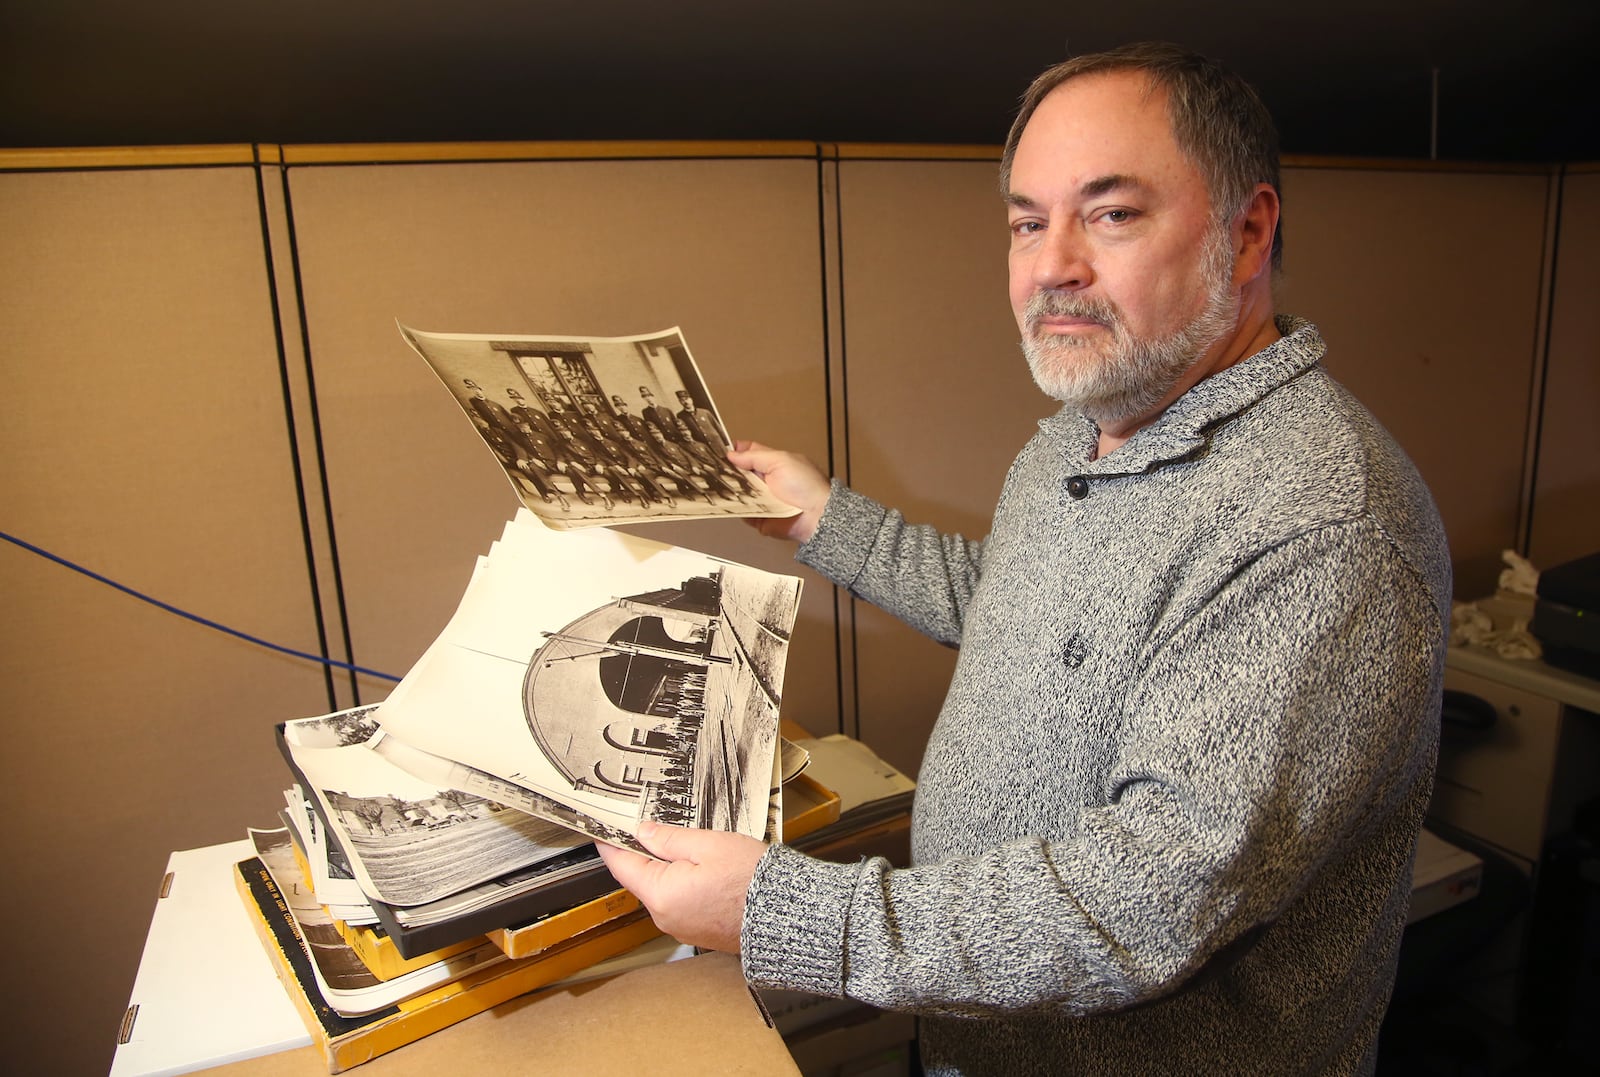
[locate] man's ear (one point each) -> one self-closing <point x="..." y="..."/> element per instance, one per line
<point x="1252" y="235"/>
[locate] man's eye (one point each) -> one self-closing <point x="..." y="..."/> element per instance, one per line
<point x="1026" y="228"/>
<point x="1117" y="216"/>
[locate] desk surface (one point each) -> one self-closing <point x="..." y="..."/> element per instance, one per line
<point x="1529" y="674"/>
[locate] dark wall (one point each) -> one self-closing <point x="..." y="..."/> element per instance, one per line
<point x="1350" y="79"/>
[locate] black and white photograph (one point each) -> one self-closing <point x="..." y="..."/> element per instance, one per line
<point x="345" y="982"/>
<point x="411" y="841"/>
<point x="328" y="868"/>
<point x="598" y="430"/>
<point x="623" y="678"/>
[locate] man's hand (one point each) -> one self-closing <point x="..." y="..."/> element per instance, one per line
<point x="792" y="478"/>
<point x="695" y="887"/>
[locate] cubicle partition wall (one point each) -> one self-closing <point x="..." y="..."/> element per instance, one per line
<point x="1564" y="468"/>
<point x="212" y="404"/>
<point x="1431" y="287"/>
<point x="145" y="438"/>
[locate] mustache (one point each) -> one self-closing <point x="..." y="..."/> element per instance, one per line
<point x="1048" y="304"/>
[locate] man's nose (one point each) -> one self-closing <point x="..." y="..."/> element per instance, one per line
<point x="1063" y="262"/>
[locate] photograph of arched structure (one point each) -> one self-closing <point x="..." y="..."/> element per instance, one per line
<point x="663" y="698"/>
<point x="621" y="678"/>
<point x="410" y="840"/>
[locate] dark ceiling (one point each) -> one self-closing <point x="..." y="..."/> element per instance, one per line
<point x="1352" y="78"/>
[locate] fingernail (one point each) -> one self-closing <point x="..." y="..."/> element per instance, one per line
<point x="647" y="827"/>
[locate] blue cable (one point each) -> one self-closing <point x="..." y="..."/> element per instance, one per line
<point x="47" y="555"/>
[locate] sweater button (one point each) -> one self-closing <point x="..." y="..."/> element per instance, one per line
<point x="1078" y="488"/>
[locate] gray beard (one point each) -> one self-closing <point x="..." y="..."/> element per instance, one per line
<point x="1114" y="383"/>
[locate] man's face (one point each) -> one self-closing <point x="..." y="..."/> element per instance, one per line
<point x="1120" y="276"/>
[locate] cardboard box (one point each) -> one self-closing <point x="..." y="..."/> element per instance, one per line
<point x="682" y="1019"/>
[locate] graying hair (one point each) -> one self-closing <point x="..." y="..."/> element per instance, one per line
<point x="1218" y="121"/>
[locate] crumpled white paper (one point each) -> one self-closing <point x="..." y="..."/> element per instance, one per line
<point x="1519" y="576"/>
<point x="1471" y="625"/>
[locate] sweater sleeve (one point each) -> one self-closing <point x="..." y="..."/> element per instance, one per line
<point x="914" y="572"/>
<point x="1286" y="724"/>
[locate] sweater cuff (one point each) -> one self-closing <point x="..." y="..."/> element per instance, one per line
<point x="838" y="548"/>
<point x="795" y="914"/>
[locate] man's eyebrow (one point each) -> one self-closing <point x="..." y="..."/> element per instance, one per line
<point x="1095" y="188"/>
<point x="1104" y="185"/>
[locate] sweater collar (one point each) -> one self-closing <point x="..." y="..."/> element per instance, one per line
<point x="1182" y="428"/>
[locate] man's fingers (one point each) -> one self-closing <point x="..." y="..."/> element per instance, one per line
<point x="633" y="871"/>
<point x="666" y="842"/>
<point x="694" y="883"/>
<point x="753" y="456"/>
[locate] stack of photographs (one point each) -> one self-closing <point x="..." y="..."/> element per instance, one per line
<point x="588" y="680"/>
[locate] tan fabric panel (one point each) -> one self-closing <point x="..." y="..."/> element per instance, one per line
<point x="940" y="398"/>
<point x="1426" y="287"/>
<point x="145" y="439"/>
<point x="728" y="250"/>
<point x="1566" y="504"/>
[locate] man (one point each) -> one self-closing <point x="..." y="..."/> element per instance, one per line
<point x="706" y="442"/>
<point x="552" y="458"/>
<point x="576" y="458"/>
<point x="494" y="414"/>
<point x="635" y="425"/>
<point x="701" y="426"/>
<point x="589" y="445"/>
<point x="528" y="416"/>
<point x="530" y="472"/>
<point x="605" y="422"/>
<point x="1165" y="819"/>
<point x="627" y="467"/>
<point x="683" y="468"/>
<point x="514" y="442"/>
<point x="661" y="418"/>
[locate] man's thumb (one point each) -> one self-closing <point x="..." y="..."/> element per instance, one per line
<point x="665" y="842"/>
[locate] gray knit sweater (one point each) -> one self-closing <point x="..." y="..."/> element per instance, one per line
<point x="1165" y="819"/>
